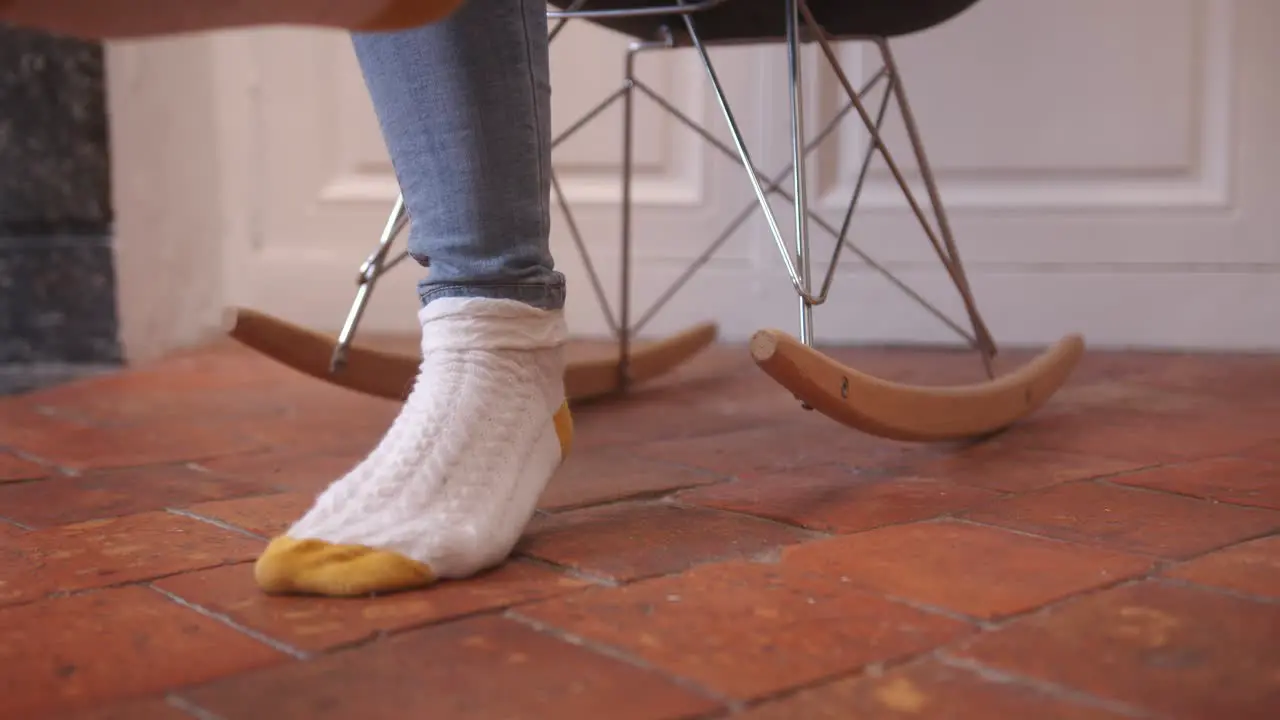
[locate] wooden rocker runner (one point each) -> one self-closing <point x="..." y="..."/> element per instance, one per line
<point x="872" y="405"/>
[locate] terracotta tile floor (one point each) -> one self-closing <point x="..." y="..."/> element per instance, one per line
<point x="711" y="549"/>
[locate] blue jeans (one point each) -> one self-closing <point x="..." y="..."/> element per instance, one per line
<point x="465" y="109"/>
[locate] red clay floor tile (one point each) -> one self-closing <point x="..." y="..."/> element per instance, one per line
<point x="152" y="709"/>
<point x="635" y="540"/>
<point x="629" y="420"/>
<point x="1269" y="451"/>
<point x="264" y="515"/>
<point x="78" y="446"/>
<point x="1169" y="526"/>
<point x="928" y="689"/>
<point x="1184" y="652"/>
<point x="87" y="650"/>
<point x="140" y="397"/>
<point x="1236" y="381"/>
<point x="313" y="624"/>
<point x="1245" y="379"/>
<point x="1252" y="568"/>
<point x="111" y="493"/>
<point x="809" y="613"/>
<point x="1232" y="480"/>
<point x="238" y="385"/>
<point x="14" y="468"/>
<point x="836" y="498"/>
<point x="1150" y="438"/>
<point x="995" y="466"/>
<point x="292" y="471"/>
<point x="597" y="475"/>
<point x="10" y="532"/>
<point x="480" y="668"/>
<point x="1129" y="395"/>
<point x="111" y="552"/>
<point x="780" y="447"/>
<point x="981" y="572"/>
<point x="323" y="432"/>
<point x="748" y="630"/>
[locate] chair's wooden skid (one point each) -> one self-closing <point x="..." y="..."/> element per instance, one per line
<point x="910" y="412"/>
<point x="390" y="375"/>
<point x="598" y="377"/>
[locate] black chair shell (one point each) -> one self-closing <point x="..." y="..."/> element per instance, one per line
<point x="739" y="21"/>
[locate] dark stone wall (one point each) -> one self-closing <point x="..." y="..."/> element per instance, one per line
<point x="57" y="283"/>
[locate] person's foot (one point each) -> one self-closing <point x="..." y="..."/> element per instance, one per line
<point x="452" y="485"/>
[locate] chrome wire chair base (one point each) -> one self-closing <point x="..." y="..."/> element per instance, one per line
<point x="877" y="406"/>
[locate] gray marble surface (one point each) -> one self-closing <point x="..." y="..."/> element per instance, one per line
<point x="57" y="284"/>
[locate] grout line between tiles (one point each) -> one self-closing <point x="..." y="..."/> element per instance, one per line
<point x="197" y="467"/>
<point x="1109" y="481"/>
<point x="809" y="532"/>
<point x="215" y="522"/>
<point x="983" y="624"/>
<point x="643" y="496"/>
<point x="576" y="574"/>
<point x="1214" y="589"/>
<point x="1097" y="544"/>
<point x="40" y="460"/>
<point x="1055" y="605"/>
<point x="63" y="594"/>
<point x="15" y="523"/>
<point x="870" y="670"/>
<point x="1225" y="546"/>
<point x="182" y="704"/>
<point x="229" y="622"/>
<point x="1063" y="692"/>
<point x="1083" y="543"/>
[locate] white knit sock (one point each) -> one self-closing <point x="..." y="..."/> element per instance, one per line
<point x="452" y="485"/>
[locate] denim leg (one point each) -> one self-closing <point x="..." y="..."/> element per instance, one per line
<point x="464" y="107"/>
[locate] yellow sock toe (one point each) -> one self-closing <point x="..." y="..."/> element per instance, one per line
<point x="316" y="567"/>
